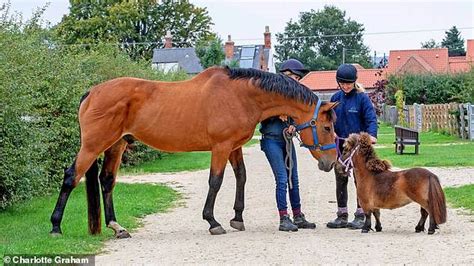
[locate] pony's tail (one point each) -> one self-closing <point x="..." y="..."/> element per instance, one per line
<point x="436" y="200"/>
<point x="93" y="198"/>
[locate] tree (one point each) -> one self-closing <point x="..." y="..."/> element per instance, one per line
<point x="210" y="52"/>
<point x="430" y="44"/>
<point x="319" y="39"/>
<point x="139" y="26"/>
<point x="453" y="42"/>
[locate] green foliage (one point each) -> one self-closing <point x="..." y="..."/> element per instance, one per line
<point x="454" y="42"/>
<point x="430" y="44"/>
<point x="307" y="40"/>
<point x="25" y="225"/>
<point x="210" y="52"/>
<point x="40" y="87"/>
<point x="400" y="104"/>
<point x="433" y="89"/>
<point x="461" y="197"/>
<point x="139" y="26"/>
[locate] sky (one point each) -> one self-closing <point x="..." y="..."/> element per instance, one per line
<point x="245" y="21"/>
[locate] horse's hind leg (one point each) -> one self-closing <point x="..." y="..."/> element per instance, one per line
<point x="84" y="160"/>
<point x="421" y="224"/>
<point x="378" y="225"/>
<point x="237" y="161"/>
<point x="220" y="155"/>
<point x="108" y="174"/>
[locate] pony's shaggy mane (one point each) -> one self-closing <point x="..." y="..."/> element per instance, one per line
<point x="366" y="150"/>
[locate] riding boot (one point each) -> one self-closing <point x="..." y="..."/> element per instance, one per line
<point x="358" y="222"/>
<point x="301" y="222"/>
<point x="339" y="222"/>
<point x="286" y="224"/>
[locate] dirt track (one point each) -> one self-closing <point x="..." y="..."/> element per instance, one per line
<point x="181" y="236"/>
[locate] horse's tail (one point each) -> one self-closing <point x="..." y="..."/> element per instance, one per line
<point x="436" y="200"/>
<point x="93" y="198"/>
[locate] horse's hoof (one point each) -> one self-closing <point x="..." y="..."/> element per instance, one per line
<point x="237" y="225"/>
<point x="217" y="230"/>
<point x="418" y="229"/>
<point x="365" y="231"/>
<point x="430" y="232"/>
<point x="55" y="234"/>
<point x="378" y="229"/>
<point x="122" y="234"/>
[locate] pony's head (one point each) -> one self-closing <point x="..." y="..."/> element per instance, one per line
<point x="317" y="134"/>
<point x="362" y="145"/>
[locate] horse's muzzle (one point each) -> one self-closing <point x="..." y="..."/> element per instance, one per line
<point x="325" y="165"/>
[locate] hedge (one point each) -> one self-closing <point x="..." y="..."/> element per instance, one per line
<point x="41" y="83"/>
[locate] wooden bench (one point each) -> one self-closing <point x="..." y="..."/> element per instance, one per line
<point x="405" y="136"/>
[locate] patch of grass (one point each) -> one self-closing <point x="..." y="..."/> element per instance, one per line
<point x="25" y="227"/>
<point x="172" y="162"/>
<point x="436" y="149"/>
<point x="461" y="197"/>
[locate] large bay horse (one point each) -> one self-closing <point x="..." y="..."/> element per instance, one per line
<point x="379" y="188"/>
<point x="215" y="111"/>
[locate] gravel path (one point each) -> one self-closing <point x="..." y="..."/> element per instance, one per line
<point x="181" y="235"/>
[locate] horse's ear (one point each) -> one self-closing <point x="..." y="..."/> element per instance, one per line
<point x="329" y="106"/>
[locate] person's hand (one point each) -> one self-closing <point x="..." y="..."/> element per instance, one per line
<point x="291" y="129"/>
<point x="283" y="118"/>
<point x="373" y="139"/>
<point x="335" y="136"/>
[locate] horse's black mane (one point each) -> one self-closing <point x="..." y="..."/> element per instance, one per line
<point x="277" y="83"/>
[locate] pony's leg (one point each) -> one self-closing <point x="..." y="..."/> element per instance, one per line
<point x="433" y="225"/>
<point x="368" y="223"/>
<point x="108" y="174"/>
<point x="237" y="161"/>
<point x="421" y="224"/>
<point x="378" y="225"/>
<point x="220" y="155"/>
<point x="72" y="175"/>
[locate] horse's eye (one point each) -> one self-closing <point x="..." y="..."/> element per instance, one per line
<point x="328" y="129"/>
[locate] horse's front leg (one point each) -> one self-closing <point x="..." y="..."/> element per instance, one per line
<point x="237" y="161"/>
<point x="378" y="224"/>
<point x="219" y="157"/>
<point x="368" y="224"/>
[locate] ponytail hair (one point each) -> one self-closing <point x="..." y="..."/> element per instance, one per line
<point x="359" y="88"/>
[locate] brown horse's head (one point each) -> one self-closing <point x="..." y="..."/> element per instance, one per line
<point x="324" y="150"/>
<point x="365" y="151"/>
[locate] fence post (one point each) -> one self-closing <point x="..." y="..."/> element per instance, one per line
<point x="470" y="120"/>
<point x="418" y="117"/>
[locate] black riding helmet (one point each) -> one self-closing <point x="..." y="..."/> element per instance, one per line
<point x="294" y="66"/>
<point x="346" y="73"/>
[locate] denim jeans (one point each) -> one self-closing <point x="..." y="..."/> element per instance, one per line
<point x="275" y="151"/>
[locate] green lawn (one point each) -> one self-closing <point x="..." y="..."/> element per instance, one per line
<point x="461" y="196"/>
<point x="24" y="228"/>
<point x="436" y="149"/>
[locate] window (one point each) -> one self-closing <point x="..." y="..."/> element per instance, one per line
<point x="166" y="67"/>
<point x="246" y="63"/>
<point x="246" y="56"/>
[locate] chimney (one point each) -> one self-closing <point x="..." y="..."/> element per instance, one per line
<point x="168" y="40"/>
<point x="267" y="37"/>
<point x="470" y="50"/>
<point x="229" y="49"/>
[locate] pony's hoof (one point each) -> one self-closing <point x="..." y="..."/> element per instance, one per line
<point x="217" y="230"/>
<point x="419" y="229"/>
<point x="378" y="229"/>
<point x="237" y="225"/>
<point x="430" y="232"/>
<point x="122" y="234"/>
<point x="365" y="231"/>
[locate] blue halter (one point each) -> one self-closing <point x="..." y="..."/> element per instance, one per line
<point x="312" y="123"/>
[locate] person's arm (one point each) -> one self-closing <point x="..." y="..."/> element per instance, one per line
<point x="370" y="118"/>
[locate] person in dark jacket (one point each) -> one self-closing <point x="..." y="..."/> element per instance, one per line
<point x="355" y="113"/>
<point x="274" y="146"/>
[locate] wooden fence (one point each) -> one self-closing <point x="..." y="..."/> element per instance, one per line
<point x="456" y="119"/>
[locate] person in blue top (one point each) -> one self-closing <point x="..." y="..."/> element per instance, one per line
<point x="274" y="146"/>
<point x="355" y="113"/>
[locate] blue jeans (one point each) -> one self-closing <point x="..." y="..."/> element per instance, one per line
<point x="275" y="151"/>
